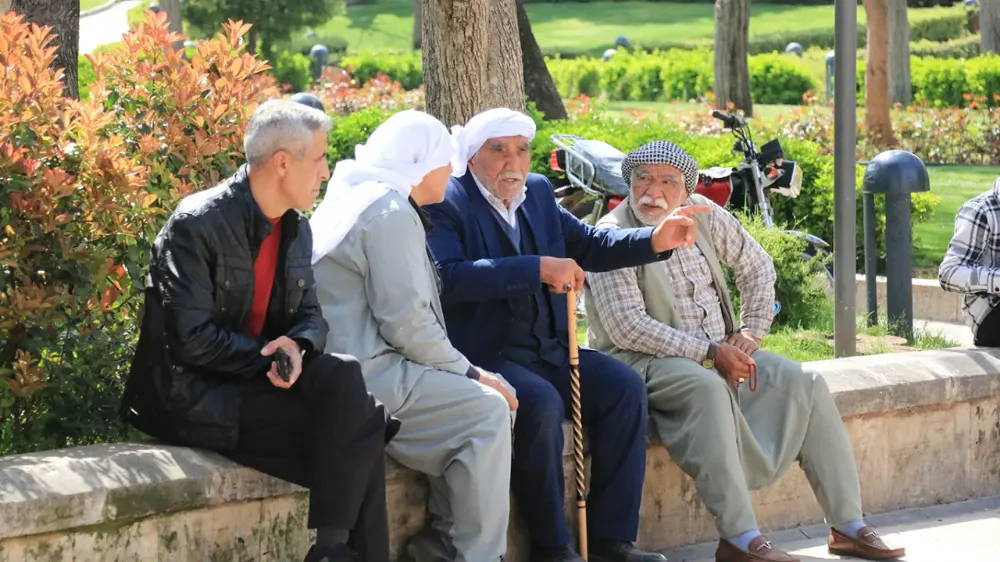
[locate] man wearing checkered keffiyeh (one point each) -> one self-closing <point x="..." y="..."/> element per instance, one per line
<point x="674" y="321"/>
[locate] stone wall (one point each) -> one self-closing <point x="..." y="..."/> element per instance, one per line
<point x="925" y="428"/>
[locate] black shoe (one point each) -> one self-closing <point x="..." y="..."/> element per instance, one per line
<point x="557" y="554"/>
<point x="621" y="551"/>
<point x="338" y="553"/>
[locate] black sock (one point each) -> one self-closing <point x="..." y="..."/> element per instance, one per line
<point x="330" y="537"/>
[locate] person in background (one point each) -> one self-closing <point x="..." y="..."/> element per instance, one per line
<point x="971" y="265"/>
<point x="230" y="284"/>
<point x="379" y="291"/>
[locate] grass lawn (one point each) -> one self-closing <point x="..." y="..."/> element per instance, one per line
<point x="954" y="185"/>
<point x="588" y="27"/>
<point x="88" y="4"/>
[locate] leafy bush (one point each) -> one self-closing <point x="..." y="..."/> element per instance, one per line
<point x="88" y="185"/>
<point x="341" y="96"/>
<point x="404" y="67"/>
<point x="676" y="75"/>
<point x="70" y="197"/>
<point x="961" y="48"/>
<point x="799" y="287"/>
<point x="292" y="71"/>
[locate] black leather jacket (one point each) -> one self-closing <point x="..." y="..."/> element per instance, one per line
<point x="194" y="356"/>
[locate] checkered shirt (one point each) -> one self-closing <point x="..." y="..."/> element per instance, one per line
<point x="619" y="299"/>
<point x="972" y="263"/>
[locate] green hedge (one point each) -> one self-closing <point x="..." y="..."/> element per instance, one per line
<point x="293" y="69"/>
<point x="950" y="82"/>
<point x="640" y="76"/>
<point x="405" y="67"/>
<point x="962" y="48"/>
<point x="676" y="75"/>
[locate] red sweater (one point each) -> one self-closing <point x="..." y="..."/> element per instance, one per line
<point x="264" y="270"/>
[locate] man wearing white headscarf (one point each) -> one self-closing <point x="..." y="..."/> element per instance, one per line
<point x="507" y="254"/>
<point x="379" y="291"/>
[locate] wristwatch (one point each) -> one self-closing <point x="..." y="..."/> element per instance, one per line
<point x="709" y="362"/>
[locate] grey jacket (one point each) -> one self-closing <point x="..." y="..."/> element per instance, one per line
<point x="379" y="293"/>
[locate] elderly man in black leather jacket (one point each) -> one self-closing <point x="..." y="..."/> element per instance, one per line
<point x="230" y="283"/>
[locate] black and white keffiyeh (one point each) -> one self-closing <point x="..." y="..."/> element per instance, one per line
<point x="662" y="152"/>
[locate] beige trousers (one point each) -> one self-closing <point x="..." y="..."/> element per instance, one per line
<point x="732" y="440"/>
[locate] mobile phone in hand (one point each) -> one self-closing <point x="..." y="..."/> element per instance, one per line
<point x="284" y="364"/>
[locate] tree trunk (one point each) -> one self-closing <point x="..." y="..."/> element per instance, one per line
<point x="174" y="19"/>
<point x="989" y="26"/>
<point x="538" y="82"/>
<point x="64" y="18"/>
<point x="877" y="116"/>
<point x="461" y="40"/>
<point x="732" y="38"/>
<point x="417" y="23"/>
<point x="900" y="90"/>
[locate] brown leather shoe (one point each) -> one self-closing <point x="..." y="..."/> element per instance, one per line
<point x="760" y="551"/>
<point x="868" y="545"/>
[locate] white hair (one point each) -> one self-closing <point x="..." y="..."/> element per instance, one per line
<point x="282" y="125"/>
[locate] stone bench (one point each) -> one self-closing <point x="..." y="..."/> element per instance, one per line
<point x="925" y="428"/>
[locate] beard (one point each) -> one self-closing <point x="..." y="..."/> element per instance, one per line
<point x="507" y="186"/>
<point x="645" y="215"/>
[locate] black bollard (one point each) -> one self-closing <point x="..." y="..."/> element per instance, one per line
<point x="897" y="174"/>
<point x="318" y="56"/>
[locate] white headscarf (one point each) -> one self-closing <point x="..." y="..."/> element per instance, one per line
<point x="397" y="156"/>
<point x="499" y="122"/>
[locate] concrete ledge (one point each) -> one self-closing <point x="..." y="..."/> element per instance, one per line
<point x="930" y="301"/>
<point x="925" y="428"/>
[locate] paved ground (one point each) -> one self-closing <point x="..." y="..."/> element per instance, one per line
<point x="104" y="27"/>
<point x="959" y="532"/>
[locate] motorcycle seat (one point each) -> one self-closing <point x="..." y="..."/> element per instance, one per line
<point x="607" y="161"/>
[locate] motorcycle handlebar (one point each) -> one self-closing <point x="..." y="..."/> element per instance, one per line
<point x="728" y="121"/>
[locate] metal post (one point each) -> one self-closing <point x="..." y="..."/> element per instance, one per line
<point x="871" y="258"/>
<point x="844" y="181"/>
<point x="898" y="265"/>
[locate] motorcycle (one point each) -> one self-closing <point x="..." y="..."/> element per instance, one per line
<point x="593" y="170"/>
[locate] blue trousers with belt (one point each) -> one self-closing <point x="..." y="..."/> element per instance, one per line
<point x="613" y="400"/>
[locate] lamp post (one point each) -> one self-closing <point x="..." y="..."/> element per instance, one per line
<point x="844" y="181"/>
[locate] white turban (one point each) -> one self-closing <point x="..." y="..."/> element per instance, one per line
<point x="397" y="156"/>
<point x="491" y="124"/>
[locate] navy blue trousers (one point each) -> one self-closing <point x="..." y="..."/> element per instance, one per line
<point x="613" y="400"/>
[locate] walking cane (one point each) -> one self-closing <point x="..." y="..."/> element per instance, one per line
<point x="577" y="418"/>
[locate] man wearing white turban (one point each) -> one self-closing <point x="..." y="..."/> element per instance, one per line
<point x="507" y="254"/>
<point x="379" y="291"/>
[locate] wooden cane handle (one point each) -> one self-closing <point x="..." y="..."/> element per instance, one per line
<point x="574" y="345"/>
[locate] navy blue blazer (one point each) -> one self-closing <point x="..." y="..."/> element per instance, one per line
<point x="478" y="281"/>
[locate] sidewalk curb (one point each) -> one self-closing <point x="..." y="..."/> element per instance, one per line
<point x="98" y="9"/>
